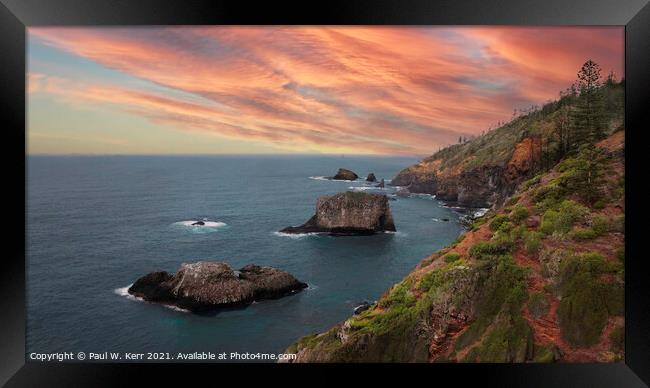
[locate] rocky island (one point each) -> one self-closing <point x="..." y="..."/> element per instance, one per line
<point x="208" y="285"/>
<point x="348" y="213"/>
<point x="345" y="175"/>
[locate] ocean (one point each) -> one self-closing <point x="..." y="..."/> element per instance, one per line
<point x="97" y="223"/>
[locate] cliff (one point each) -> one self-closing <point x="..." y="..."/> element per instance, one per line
<point x="537" y="279"/>
<point x="485" y="170"/>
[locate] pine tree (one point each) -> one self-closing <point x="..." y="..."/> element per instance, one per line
<point x="588" y="117"/>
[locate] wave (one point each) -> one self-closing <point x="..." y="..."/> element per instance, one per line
<point x="423" y="196"/>
<point x="327" y="178"/>
<point x="124" y="291"/>
<point x="366" y="188"/>
<point x="207" y="227"/>
<point x="480" y="212"/>
<point x="296" y="236"/>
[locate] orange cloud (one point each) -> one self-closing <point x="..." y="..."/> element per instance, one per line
<point x="340" y="89"/>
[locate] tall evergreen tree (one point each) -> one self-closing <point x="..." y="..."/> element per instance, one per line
<point x="588" y="117"/>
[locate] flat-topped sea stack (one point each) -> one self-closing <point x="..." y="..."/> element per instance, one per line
<point x="209" y="285"/>
<point x="345" y="175"/>
<point x="348" y="214"/>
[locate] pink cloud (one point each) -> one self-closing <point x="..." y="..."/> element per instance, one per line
<point x="341" y="89"/>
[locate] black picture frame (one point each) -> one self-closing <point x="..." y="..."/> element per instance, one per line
<point x="17" y="15"/>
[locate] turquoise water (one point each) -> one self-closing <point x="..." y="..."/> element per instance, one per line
<point x="95" y="224"/>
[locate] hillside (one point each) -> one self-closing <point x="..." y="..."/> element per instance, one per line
<point x="485" y="170"/>
<point x="539" y="278"/>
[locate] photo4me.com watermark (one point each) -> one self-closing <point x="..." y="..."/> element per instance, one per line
<point x="158" y="356"/>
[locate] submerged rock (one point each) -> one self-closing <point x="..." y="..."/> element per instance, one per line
<point x="403" y="192"/>
<point x="348" y="213"/>
<point x="207" y="285"/>
<point x="371" y="178"/>
<point x="199" y="223"/>
<point x="345" y="175"/>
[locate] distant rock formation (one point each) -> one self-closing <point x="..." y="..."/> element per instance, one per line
<point x="207" y="285"/>
<point x="348" y="213"/>
<point x="371" y="178"/>
<point x="345" y="175"/>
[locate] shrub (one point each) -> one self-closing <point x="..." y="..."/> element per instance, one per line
<point x="532" y="240"/>
<point x="548" y="195"/>
<point x="497" y="221"/>
<point x="562" y="219"/>
<point x="549" y="219"/>
<point x="518" y="232"/>
<point x="487" y="248"/>
<point x="519" y="213"/>
<point x="600" y="224"/>
<point x="600" y="204"/>
<point x="582" y="234"/>
<point x="451" y="257"/>
<point x="505" y="227"/>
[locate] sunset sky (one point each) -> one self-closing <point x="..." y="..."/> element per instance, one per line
<point x="266" y="90"/>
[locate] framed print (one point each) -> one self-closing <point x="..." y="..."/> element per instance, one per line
<point x="432" y="188"/>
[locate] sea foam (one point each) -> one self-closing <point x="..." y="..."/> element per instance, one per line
<point x="124" y="291"/>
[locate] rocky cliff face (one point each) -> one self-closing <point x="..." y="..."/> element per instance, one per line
<point x="348" y="213"/>
<point x="484" y="185"/>
<point x="538" y="279"/>
<point x="208" y="285"/>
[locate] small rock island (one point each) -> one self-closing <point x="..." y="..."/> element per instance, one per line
<point x="345" y="175"/>
<point x="371" y="178"/>
<point x="209" y="285"/>
<point x="348" y="214"/>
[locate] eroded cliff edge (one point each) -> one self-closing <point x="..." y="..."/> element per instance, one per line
<point x="540" y="279"/>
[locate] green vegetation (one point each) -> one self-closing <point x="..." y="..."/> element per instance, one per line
<point x="488" y="248"/>
<point x="560" y="219"/>
<point x="519" y="213"/>
<point x="546" y="353"/>
<point x="497" y="221"/>
<point x="487" y="285"/>
<point x="581" y="234"/>
<point x="586" y="302"/>
<point x="532" y="241"/>
<point x="355" y="197"/>
<point x="508" y="337"/>
<point x="451" y="257"/>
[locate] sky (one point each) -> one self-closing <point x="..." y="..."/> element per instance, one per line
<point x="280" y="90"/>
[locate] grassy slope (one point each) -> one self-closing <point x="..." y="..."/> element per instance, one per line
<point x="496" y="147"/>
<point x="538" y="280"/>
